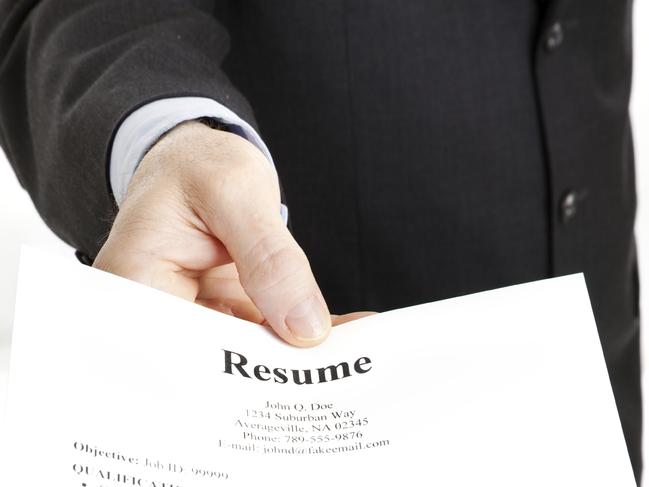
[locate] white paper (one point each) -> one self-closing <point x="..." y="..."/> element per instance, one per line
<point x="113" y="384"/>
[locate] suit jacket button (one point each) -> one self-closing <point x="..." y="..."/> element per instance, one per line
<point x="568" y="205"/>
<point x="554" y="37"/>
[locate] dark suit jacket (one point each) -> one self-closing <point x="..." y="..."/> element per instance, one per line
<point x="427" y="148"/>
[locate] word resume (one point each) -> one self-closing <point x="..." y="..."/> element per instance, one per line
<point x="116" y="384"/>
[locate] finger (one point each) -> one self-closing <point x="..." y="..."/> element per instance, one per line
<point x="244" y="310"/>
<point x="168" y="257"/>
<point x="340" y="319"/>
<point x="273" y="269"/>
<point x="221" y="283"/>
<point x="140" y="266"/>
<point x="220" y="289"/>
<point x="157" y="241"/>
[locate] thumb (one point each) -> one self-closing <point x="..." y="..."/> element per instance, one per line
<point x="275" y="273"/>
<point x="273" y="269"/>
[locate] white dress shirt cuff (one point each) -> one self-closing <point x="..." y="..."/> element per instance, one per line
<point x="142" y="128"/>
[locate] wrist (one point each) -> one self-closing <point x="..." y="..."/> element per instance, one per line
<point x="192" y="151"/>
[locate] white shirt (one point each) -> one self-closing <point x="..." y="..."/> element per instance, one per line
<point x="142" y="128"/>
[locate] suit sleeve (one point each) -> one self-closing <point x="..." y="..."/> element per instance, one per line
<point x="72" y="70"/>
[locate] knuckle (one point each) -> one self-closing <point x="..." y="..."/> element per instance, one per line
<point x="274" y="263"/>
<point x="215" y="188"/>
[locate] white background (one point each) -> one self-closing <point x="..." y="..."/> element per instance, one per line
<point x="19" y="222"/>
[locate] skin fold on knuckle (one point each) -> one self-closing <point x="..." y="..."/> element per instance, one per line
<point x="227" y="197"/>
<point x="274" y="265"/>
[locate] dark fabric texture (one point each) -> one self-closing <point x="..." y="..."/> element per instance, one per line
<point x="426" y="149"/>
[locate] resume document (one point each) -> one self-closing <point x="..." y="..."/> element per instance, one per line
<point x="116" y="384"/>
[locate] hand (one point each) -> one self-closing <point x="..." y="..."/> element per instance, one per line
<point x="221" y="290"/>
<point x="201" y="221"/>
